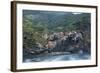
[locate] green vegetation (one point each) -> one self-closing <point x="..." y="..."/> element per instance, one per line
<point x="37" y="25"/>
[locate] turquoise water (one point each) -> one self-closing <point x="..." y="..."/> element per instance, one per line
<point x="50" y="58"/>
